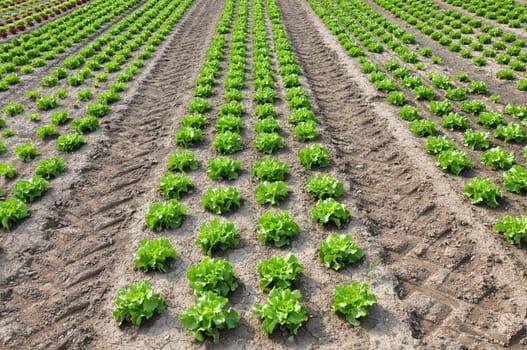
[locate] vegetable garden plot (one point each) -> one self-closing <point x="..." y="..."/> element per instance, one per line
<point x="250" y="170"/>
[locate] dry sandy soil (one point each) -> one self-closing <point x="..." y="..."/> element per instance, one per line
<point x="442" y="278"/>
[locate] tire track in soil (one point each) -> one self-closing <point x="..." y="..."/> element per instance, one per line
<point x="54" y="301"/>
<point x="446" y="280"/>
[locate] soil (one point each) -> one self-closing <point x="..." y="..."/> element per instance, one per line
<point x="443" y="280"/>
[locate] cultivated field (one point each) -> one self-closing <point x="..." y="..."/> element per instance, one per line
<point x="356" y="171"/>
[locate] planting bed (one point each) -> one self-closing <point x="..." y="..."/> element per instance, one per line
<point x="116" y="101"/>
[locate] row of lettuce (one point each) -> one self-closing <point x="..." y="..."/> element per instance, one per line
<point x="145" y="28"/>
<point x="398" y="78"/>
<point x="465" y="35"/>
<point x="19" y="17"/>
<point x="213" y="279"/>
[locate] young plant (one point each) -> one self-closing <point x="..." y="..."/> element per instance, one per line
<point x="50" y="168"/>
<point x="84" y="95"/>
<point x="422" y="92"/>
<point x="305" y="131"/>
<point x="216" y="234"/>
<point x="232" y="108"/>
<point x="12" y="108"/>
<point x="269" y="169"/>
<point x="33" y="117"/>
<point x="301" y="115"/>
<point x="49" y="81"/>
<point x="477" y="87"/>
<point x="208" y="316"/>
<point x="409" y="113"/>
<point x="29" y="190"/>
<point x="457" y="94"/>
<point x="195" y="120"/>
<point x="265" y="110"/>
<point x="97" y="109"/>
<point x="282" y="309"/>
<point x="215" y="275"/>
<point x="187" y="137"/>
<point x="270" y="192"/>
<point x="490" y="119"/>
<point x="454" y="161"/>
<point x="268" y="142"/>
<point x="26" y="151"/>
<point x="476" y="140"/>
<point x="324" y="186"/>
<point x="278" y="229"/>
<point x="438" y="144"/>
<point x="165" y="215"/>
<point x="153" y="254"/>
<point x="223" y="168"/>
<point x="337" y="251"/>
<point x="278" y="271"/>
<point x="229" y="123"/>
<point x="46" y="102"/>
<point x="330" y="211"/>
<point x="515" y="179"/>
<point x="514" y="228"/>
<point x="85" y="124"/>
<point x="516" y="111"/>
<point x="7" y="133"/>
<point x="353" y="301"/>
<point x="422" y="127"/>
<point x="69" y="143"/>
<point x="497" y="158"/>
<point x="314" y="155"/>
<point x="7" y="170"/>
<point x="12" y="210"/>
<point x="136" y="303"/>
<point x="505" y="74"/>
<point x="182" y="160"/>
<point x="267" y="125"/>
<point x="227" y="142"/>
<point x="32" y="94"/>
<point x="454" y="121"/>
<point x="396" y="98"/>
<point x="172" y="185"/>
<point x="510" y="132"/>
<point x="221" y="200"/>
<point x="473" y="106"/>
<point x="59" y="117"/>
<point x="480" y="190"/>
<point x="61" y="93"/>
<point x="440" y="108"/>
<point x="385" y="85"/>
<point x="198" y="105"/>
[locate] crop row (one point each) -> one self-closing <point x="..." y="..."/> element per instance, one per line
<point x="35" y="49"/>
<point x="158" y="23"/>
<point x="512" y="13"/>
<point x="448" y="158"/>
<point x="464" y="35"/>
<point x="31" y="15"/>
<point x="213" y="279"/>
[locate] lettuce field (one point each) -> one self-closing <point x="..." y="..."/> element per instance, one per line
<point x="263" y="174"/>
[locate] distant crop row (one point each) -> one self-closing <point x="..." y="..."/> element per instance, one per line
<point x="17" y="21"/>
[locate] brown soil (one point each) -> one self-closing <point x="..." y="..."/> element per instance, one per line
<point x="443" y="280"/>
